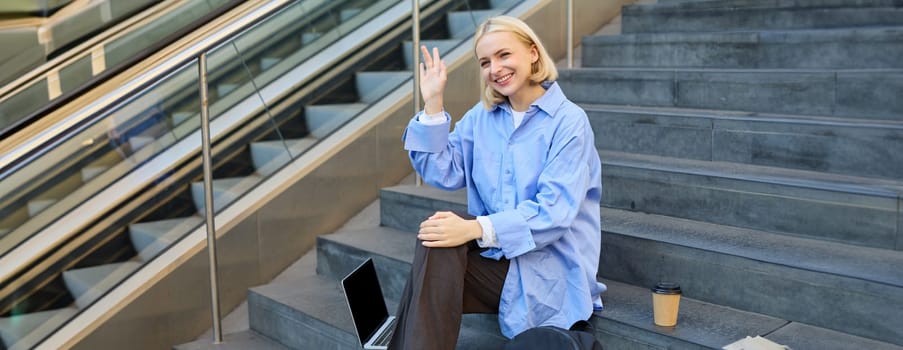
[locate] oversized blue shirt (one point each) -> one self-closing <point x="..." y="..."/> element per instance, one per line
<point x="540" y="185"/>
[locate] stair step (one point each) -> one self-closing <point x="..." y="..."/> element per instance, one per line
<point x="322" y="120"/>
<point x="847" y="48"/>
<point x="224" y="89"/>
<point x="315" y="317"/>
<point x="704" y="16"/>
<point x="392" y="251"/>
<point x="372" y="86"/>
<point x="347" y="14"/>
<point x="832" y="145"/>
<point x="269" y="156"/>
<point x="268" y="62"/>
<point x="626" y="323"/>
<point x="139" y="142"/>
<point x="149" y="238"/>
<point x="25" y="330"/>
<point x="754" y="270"/>
<point x="180" y="117"/>
<point x="462" y="24"/>
<point x="91" y="172"/>
<point x="308" y="38"/>
<point x="38" y="205"/>
<point x="843" y="93"/>
<point x="235" y="341"/>
<point x="89" y="283"/>
<point x="846" y="209"/>
<point x="224" y="191"/>
<point x="712" y="262"/>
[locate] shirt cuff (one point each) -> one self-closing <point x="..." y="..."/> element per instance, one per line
<point x="489" y="239"/>
<point x="432" y="119"/>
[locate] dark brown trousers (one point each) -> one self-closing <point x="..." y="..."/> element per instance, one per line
<point x="444" y="284"/>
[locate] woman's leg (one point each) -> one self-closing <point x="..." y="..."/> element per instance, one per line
<point x="444" y="284"/>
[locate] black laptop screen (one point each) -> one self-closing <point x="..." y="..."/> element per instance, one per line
<point x="365" y="299"/>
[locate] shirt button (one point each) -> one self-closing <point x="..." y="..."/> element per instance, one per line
<point x="507" y="171"/>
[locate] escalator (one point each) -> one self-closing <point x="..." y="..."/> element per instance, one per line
<point x="52" y="60"/>
<point x="84" y="211"/>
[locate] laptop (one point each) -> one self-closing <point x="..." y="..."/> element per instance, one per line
<point x="364" y="298"/>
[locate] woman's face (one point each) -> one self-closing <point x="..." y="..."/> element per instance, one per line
<point x="505" y="62"/>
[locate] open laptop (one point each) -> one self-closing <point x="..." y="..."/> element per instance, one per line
<point x="371" y="318"/>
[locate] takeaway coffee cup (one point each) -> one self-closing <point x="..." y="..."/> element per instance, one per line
<point x="665" y="303"/>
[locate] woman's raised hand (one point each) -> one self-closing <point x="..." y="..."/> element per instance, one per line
<point x="432" y="80"/>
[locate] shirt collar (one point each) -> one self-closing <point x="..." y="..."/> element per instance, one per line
<point x="549" y="102"/>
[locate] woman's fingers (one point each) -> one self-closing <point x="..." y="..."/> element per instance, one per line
<point x="426" y="56"/>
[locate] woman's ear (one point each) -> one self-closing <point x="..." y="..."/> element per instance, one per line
<point x="534" y="54"/>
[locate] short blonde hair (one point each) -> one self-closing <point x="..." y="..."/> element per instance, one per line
<point x="543" y="69"/>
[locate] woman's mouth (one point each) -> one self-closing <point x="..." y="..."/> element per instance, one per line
<point x="504" y="79"/>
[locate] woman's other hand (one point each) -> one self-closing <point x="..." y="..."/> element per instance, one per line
<point x="446" y="229"/>
<point x="432" y="80"/>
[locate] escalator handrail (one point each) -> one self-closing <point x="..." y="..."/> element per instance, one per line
<point x="30" y="149"/>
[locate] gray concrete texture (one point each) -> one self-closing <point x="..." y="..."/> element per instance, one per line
<point x="796" y="49"/>
<point x="866" y="94"/>
<point x="839" y="146"/>
<point x="741" y="15"/>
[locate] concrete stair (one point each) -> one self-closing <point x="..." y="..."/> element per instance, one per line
<point x="864" y="94"/>
<point x="843" y="48"/>
<point x="754" y="163"/>
<point x="668" y="16"/>
<point x="747" y="155"/>
<point x="832" y="145"/>
<point x="713" y="262"/>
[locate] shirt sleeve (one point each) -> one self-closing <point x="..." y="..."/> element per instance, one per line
<point x="562" y="187"/>
<point x="436" y="154"/>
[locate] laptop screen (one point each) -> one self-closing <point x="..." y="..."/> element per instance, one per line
<point x="365" y="299"/>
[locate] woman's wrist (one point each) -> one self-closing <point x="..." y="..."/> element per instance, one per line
<point x="433" y="106"/>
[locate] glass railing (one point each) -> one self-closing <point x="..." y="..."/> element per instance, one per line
<point x="135" y="168"/>
<point x="25" y="98"/>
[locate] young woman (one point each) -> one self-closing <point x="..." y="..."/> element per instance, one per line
<point x="527" y="158"/>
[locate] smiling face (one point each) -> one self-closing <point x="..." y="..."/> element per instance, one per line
<point x="506" y="65"/>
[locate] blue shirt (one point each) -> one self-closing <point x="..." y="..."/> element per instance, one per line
<point x="540" y="185"/>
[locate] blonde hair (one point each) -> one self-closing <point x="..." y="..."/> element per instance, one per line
<point x="543" y="69"/>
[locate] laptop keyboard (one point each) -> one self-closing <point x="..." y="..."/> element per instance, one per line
<point x="384" y="338"/>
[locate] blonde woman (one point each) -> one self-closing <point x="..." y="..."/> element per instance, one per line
<point x="527" y="158"/>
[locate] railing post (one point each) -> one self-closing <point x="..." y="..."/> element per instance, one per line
<point x="208" y="200"/>
<point x="570" y="30"/>
<point x="415" y="38"/>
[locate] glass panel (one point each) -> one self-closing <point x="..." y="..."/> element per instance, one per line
<point x="21" y="102"/>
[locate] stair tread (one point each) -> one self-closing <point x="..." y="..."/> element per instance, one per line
<point x="746" y="116"/>
<point x="700" y="322"/>
<point x="235" y="341"/>
<point x="386" y="241"/>
<point x="863" y="263"/>
<point x="734" y="70"/>
<point x="322" y="300"/>
<point x="748" y="36"/>
<point x="760" y="4"/>
<point x="757" y="173"/>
